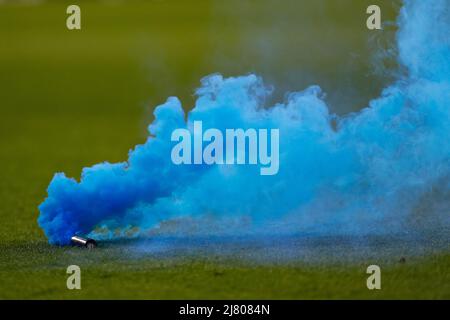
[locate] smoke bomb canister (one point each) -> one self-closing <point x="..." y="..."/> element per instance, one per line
<point x="83" y="242"/>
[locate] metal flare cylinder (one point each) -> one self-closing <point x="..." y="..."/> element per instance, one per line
<point x="83" y="242"/>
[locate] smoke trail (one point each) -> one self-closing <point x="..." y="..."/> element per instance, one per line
<point x="384" y="169"/>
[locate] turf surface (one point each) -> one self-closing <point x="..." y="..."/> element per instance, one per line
<point x="70" y="99"/>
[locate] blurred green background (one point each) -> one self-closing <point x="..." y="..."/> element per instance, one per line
<point x="70" y="99"/>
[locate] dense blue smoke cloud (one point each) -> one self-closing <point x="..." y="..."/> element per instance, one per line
<point x="384" y="169"/>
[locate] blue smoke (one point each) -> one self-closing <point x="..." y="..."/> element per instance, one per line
<point x="384" y="169"/>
